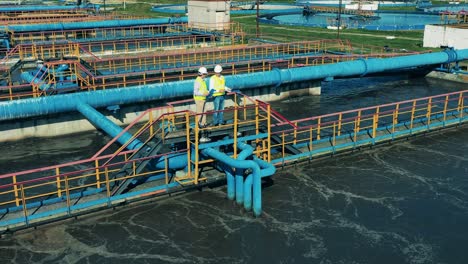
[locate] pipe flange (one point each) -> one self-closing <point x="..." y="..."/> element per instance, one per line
<point x="366" y="68"/>
<point x="451" y="54"/>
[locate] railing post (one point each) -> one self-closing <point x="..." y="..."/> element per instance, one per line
<point x="295" y="133"/>
<point x="356" y="127"/>
<point x="57" y="173"/>
<point x="189" y="149"/>
<point x="257" y="127"/>
<point x="340" y="118"/>
<point x="236" y="109"/>
<point x="428" y="112"/>
<point x="195" y="172"/>
<point x="106" y="172"/>
<point x="413" y="110"/>
<point x="150" y="114"/>
<point x="445" y="108"/>
<point x="269" y="131"/>
<point x="334" y="135"/>
<point x="166" y="171"/>
<point x="460" y="107"/>
<point x="15" y="190"/>
<point x="98" y="182"/>
<point x="67" y="192"/>
<point x="318" y="128"/>
<point x="374" y="125"/>
<point x="25" y="208"/>
<point x="282" y="146"/>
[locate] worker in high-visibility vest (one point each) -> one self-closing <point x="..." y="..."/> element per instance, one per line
<point x="200" y="92"/>
<point x="218" y="90"/>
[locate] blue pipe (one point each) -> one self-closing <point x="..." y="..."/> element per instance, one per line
<point x="108" y="126"/>
<point x="59" y="71"/>
<point x="238" y="188"/>
<point x="175" y="161"/>
<point x="259" y="167"/>
<point x="246" y="152"/>
<point x="93" y="24"/>
<point x="257" y="173"/>
<point x="6" y="43"/>
<point x="267" y="169"/>
<point x="67" y="102"/>
<point x="30" y="78"/>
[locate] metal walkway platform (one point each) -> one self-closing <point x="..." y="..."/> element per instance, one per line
<point x="169" y="158"/>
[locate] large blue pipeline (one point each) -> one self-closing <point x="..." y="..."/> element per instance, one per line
<point x="93" y="24"/>
<point x="174" y="161"/>
<point x="108" y="126"/>
<point x="24" y="108"/>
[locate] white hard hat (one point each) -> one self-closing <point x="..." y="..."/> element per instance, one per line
<point x="202" y="70"/>
<point x="218" y="69"/>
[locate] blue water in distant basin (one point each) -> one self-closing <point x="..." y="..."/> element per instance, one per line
<point x="387" y="21"/>
<point x="447" y="8"/>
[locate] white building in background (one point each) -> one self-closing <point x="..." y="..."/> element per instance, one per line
<point x="363" y="5"/>
<point x="209" y="14"/>
<point x="455" y="36"/>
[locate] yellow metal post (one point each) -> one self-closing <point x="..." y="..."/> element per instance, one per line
<point x="23" y="200"/>
<point x="318" y="128"/>
<point x="311" y="139"/>
<point x="340" y="118"/>
<point x="429" y="110"/>
<point x="15" y="190"/>
<point x="413" y="109"/>
<point x="57" y="173"/>
<point x="334" y="133"/>
<point x="236" y="109"/>
<point x="106" y="172"/>
<point x="189" y="150"/>
<point x="269" y="131"/>
<point x="374" y="125"/>
<point x="358" y="126"/>
<point x="67" y="192"/>
<point x="195" y="173"/>
<point x="295" y="134"/>
<point x="445" y="107"/>
<point x="461" y="107"/>
<point x="257" y="128"/>
<point x="282" y="145"/>
<point x="98" y="182"/>
<point x="166" y="171"/>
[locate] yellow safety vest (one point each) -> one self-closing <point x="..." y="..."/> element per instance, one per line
<point x="219" y="83"/>
<point x="202" y="89"/>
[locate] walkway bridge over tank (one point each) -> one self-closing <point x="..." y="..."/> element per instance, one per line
<point x="160" y="153"/>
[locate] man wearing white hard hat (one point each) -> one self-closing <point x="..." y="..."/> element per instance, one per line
<point x="218" y="88"/>
<point x="200" y="92"/>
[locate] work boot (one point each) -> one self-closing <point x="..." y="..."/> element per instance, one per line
<point x="204" y="139"/>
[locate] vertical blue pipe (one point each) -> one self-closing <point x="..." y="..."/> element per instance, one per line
<point x="246" y="164"/>
<point x="231" y="188"/>
<point x="239" y="186"/>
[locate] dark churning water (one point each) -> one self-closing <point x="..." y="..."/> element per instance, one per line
<point x="405" y="202"/>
